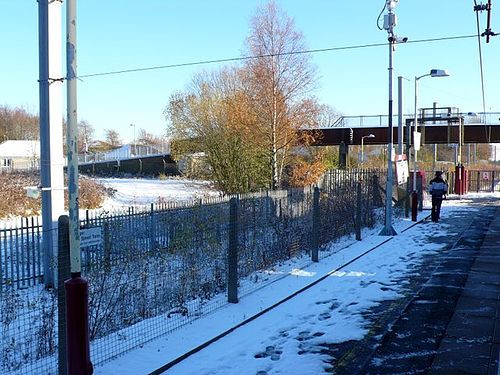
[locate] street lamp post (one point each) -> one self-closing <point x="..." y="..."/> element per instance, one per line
<point x="389" y="24"/>
<point x="135" y="147"/>
<point x="362" y="146"/>
<point x="414" y="196"/>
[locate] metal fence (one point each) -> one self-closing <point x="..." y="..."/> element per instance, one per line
<point x="20" y="253"/>
<point x="158" y="268"/>
<point x="478" y="181"/>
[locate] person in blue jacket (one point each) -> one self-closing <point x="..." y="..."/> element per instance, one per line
<point x="438" y="188"/>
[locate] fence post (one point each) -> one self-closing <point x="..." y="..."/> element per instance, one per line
<point x="315" y="226"/>
<point x="107" y="247"/>
<point x="232" y="272"/>
<point x="492" y="181"/>
<point x="358" y="212"/>
<point x="63" y="273"/>
<point x="377" y="197"/>
<point x="153" y="228"/>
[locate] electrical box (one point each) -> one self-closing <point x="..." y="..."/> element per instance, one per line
<point x="390" y="20"/>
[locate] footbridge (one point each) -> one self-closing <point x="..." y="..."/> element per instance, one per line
<point x="444" y="127"/>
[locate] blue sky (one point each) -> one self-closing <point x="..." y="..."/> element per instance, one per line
<point x="122" y="34"/>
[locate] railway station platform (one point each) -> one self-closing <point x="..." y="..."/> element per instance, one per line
<point x="442" y="316"/>
<point x="451" y="324"/>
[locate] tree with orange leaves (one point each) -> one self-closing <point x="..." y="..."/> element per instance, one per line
<point x="279" y="81"/>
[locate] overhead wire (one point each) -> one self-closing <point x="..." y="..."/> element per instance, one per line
<point x="244" y="58"/>
<point x="378" y="18"/>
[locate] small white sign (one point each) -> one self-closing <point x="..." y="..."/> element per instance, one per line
<point x="32" y="192"/>
<point x="401" y="169"/>
<point x="416" y="140"/>
<point x="90" y="237"/>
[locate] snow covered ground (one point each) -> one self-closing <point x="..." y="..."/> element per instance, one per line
<point x="139" y="192"/>
<point x="287" y="338"/>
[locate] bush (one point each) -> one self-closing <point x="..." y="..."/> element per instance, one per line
<point x="15" y="202"/>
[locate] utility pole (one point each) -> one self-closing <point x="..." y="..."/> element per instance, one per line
<point x="400" y="115"/>
<point x="51" y="150"/>
<point x="77" y="314"/>
<point x="390" y="21"/>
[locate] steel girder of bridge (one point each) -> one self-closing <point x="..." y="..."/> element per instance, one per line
<point x="445" y="132"/>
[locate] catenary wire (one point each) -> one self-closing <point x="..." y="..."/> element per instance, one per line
<point x="244" y="58"/>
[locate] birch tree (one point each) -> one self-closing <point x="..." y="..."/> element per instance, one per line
<point x="280" y="80"/>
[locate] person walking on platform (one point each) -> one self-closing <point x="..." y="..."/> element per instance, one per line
<point x="437" y="188"/>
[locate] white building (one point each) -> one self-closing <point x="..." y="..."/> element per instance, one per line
<point x="19" y="155"/>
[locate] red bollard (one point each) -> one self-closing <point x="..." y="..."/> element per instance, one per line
<point x="459" y="179"/>
<point x="414" y="204"/>
<point x="77" y="329"/>
<point x="464" y="180"/>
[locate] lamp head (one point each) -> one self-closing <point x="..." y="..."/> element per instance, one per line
<point x="371" y="135"/>
<point x="439" y="73"/>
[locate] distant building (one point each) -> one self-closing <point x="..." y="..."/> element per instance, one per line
<point x="495" y="152"/>
<point x="19" y="155"/>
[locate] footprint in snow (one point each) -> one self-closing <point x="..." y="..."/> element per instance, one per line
<point x="271" y="352"/>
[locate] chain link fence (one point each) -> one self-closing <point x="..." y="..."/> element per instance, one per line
<point x="155" y="269"/>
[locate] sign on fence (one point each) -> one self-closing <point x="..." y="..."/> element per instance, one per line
<point x="90" y="236"/>
<point x="401" y="169"/>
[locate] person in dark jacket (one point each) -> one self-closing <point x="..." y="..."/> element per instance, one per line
<point x="438" y="188"/>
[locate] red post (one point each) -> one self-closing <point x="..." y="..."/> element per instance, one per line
<point x="458" y="180"/>
<point x="77" y="329"/>
<point x="464" y="180"/>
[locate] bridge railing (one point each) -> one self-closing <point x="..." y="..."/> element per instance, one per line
<point x="125" y="153"/>
<point x="373" y="121"/>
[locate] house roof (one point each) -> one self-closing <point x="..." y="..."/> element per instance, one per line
<point x="19" y="149"/>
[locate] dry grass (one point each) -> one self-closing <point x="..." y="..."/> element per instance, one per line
<point x="15" y="202"/>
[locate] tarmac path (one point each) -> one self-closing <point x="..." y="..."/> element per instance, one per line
<point x="449" y="320"/>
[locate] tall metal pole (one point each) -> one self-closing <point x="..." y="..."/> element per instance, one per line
<point x="459" y="140"/>
<point x="388" y="230"/>
<point x="415" y="130"/>
<point x="51" y="150"/>
<point x="400" y="115"/>
<point x="362" y="150"/>
<point x="72" y="139"/>
<point x="434" y="146"/>
<point x="77" y="315"/>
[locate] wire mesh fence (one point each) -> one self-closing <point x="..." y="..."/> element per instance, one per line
<point x="28" y="310"/>
<point x="155" y="269"/>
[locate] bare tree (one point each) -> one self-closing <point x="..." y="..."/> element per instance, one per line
<point x="148" y="139"/>
<point x="18" y="123"/>
<point x="328" y="116"/>
<point x="280" y="82"/>
<point x="113" y="138"/>
<point x="85" y="136"/>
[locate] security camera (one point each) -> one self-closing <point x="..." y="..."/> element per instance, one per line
<point x="397" y="39"/>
